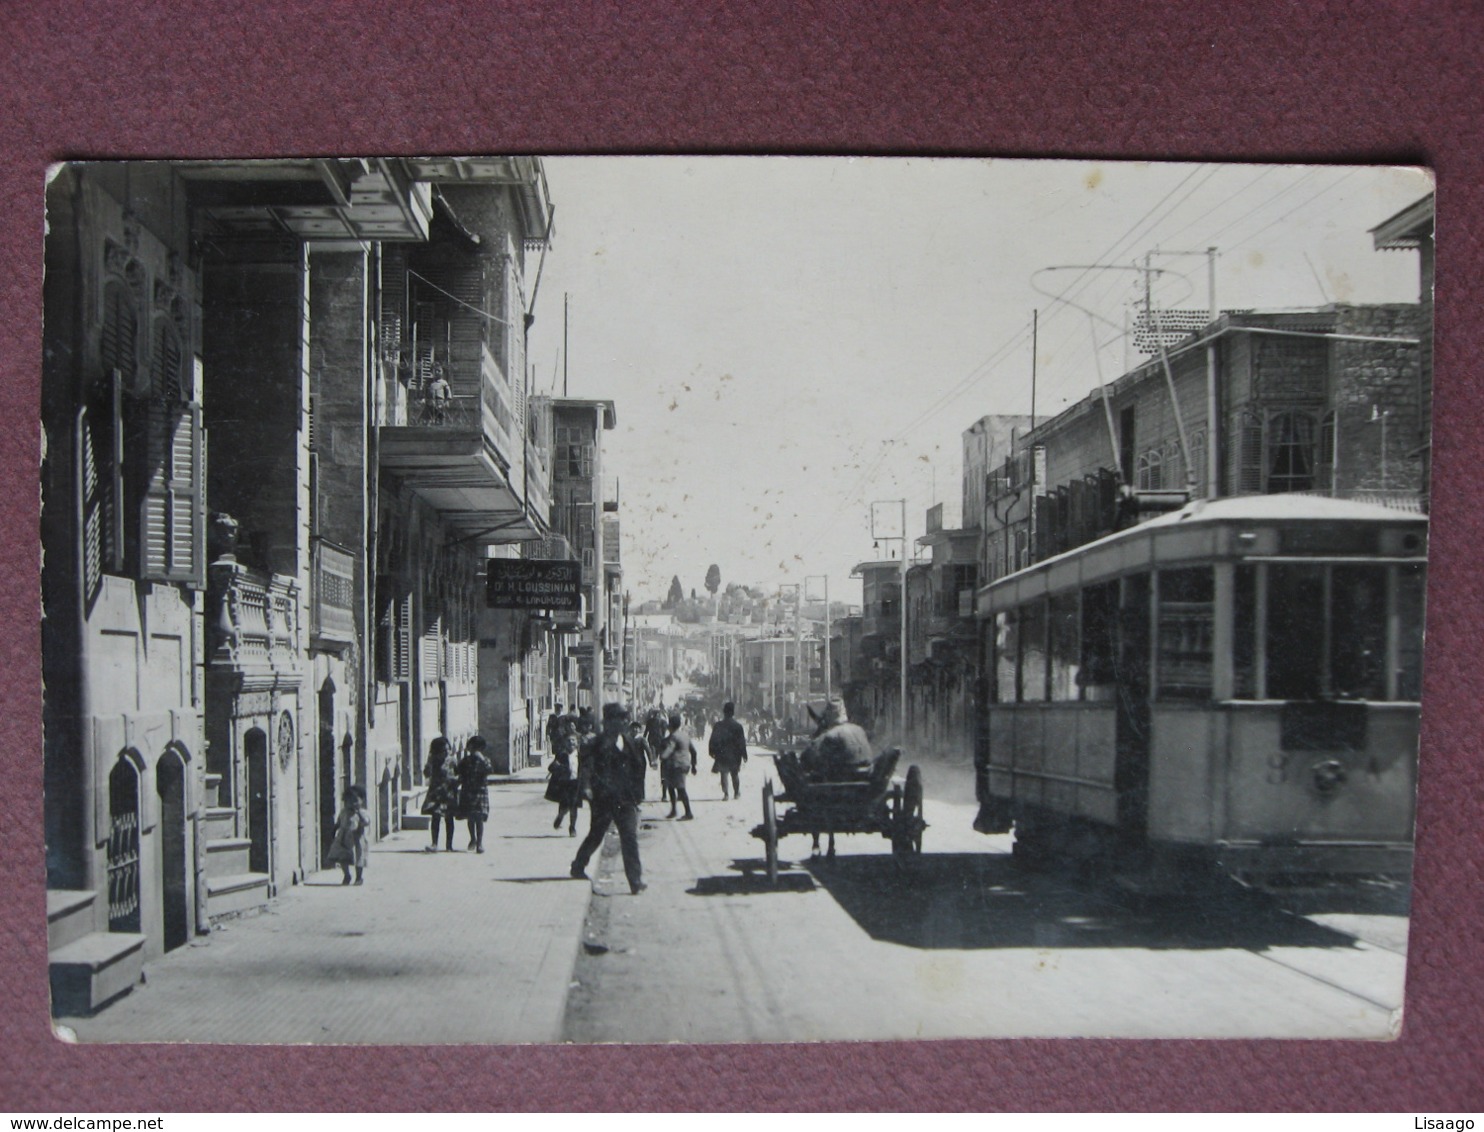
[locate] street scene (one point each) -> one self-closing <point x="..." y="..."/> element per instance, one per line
<point x="527" y="600"/>
<point x="957" y="943"/>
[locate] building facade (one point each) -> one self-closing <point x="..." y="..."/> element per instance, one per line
<point x="237" y="631"/>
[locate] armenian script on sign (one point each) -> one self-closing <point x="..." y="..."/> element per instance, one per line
<point x="533" y="583"/>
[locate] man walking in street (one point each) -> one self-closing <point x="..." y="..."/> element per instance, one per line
<point x="611" y="773"/>
<point x="728" y="750"/>
<point x="677" y="760"/>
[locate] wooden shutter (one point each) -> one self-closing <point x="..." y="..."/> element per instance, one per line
<point x="402" y="638"/>
<point x="1249" y="454"/>
<point x="172" y="525"/>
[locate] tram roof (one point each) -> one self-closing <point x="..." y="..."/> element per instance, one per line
<point x="1287" y="507"/>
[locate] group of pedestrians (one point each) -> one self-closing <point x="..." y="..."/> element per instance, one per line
<point x="612" y="764"/>
<point x="457" y="789"/>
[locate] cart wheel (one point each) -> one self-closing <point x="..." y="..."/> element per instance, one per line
<point x="907" y="823"/>
<point x="770" y="831"/>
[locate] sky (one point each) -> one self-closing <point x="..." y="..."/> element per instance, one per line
<point x="790" y="340"/>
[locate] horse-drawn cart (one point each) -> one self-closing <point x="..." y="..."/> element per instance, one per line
<point x="871" y="801"/>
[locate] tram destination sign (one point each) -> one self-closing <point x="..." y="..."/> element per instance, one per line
<point x="533" y="583"/>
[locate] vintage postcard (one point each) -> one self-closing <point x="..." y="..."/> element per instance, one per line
<point x="702" y="599"/>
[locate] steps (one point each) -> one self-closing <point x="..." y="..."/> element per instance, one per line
<point x="231" y="885"/>
<point x="88" y="968"/>
<point x="238" y="892"/>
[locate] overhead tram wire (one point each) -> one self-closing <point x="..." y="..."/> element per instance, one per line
<point x="1283" y="192"/>
<point x="1296" y="208"/>
<point x="1130" y="235"/>
<point x="1266" y="171"/>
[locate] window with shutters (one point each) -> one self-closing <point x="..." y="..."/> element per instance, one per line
<point x="172" y="516"/>
<point x="393" y="632"/>
<point x="141" y="448"/>
<point x="432" y="650"/>
<point x="1277" y="451"/>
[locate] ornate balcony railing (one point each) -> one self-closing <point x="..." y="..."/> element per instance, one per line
<point x="254" y="622"/>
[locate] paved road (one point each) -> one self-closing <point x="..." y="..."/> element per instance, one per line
<point x="960" y="943"/>
<point x="439" y="948"/>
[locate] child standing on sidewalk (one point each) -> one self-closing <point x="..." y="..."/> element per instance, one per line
<point x="349" y="846"/>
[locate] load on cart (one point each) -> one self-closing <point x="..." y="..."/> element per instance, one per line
<point x="835" y="785"/>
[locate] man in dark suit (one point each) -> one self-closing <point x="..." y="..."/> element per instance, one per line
<point x="728" y="749"/>
<point x="611" y="773"/>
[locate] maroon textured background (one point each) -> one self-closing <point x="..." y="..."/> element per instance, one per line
<point x="1264" y="80"/>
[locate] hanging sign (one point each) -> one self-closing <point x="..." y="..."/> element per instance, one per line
<point x="533" y="583"/>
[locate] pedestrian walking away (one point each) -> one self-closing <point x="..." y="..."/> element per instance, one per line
<point x="474" y="790"/>
<point x="442" y="798"/>
<point x="656" y="731"/>
<point x="553" y="725"/>
<point x="561" y="779"/>
<point x="678" y="759"/>
<point x="611" y="771"/>
<point x="349" y="847"/>
<point x="728" y="750"/>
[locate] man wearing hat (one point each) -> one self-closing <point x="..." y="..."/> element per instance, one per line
<point x="728" y="749"/>
<point x="611" y="772"/>
<point x="839" y="748"/>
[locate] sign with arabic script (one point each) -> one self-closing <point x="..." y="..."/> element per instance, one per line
<point x="533" y="583"/>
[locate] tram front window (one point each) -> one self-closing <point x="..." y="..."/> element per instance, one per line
<point x="1295" y="635"/>
<point x="1358" y="631"/>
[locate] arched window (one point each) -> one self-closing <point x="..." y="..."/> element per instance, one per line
<point x="123" y="845"/>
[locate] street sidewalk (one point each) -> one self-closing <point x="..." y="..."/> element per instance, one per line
<point x="434" y="948"/>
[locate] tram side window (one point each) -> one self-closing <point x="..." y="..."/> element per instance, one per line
<point x="1033" y="654"/>
<point x="1007" y="657"/>
<point x="1186" y="621"/>
<point x="1099" y="673"/>
<point x="1244" y="634"/>
<point x="1065" y="648"/>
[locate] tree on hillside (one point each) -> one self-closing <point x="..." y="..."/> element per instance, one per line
<point x="676" y="594"/>
<point x="713" y="579"/>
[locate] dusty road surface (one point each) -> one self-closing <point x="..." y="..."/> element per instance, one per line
<point x="505" y="947"/>
<point x="957" y="943"/>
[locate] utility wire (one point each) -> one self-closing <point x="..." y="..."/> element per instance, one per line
<point x="455" y="298"/>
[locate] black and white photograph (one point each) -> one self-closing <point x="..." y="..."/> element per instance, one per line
<point x="516" y="599"/>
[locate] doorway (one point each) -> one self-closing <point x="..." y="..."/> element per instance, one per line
<point x="255" y="748"/>
<point x="170" y="782"/>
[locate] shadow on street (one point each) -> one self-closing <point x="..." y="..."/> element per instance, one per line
<point x="970" y="901"/>
<point x="751" y="876"/>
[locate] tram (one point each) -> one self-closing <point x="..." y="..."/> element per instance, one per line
<point x="1234" y="685"/>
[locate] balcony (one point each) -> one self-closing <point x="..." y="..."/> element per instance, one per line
<point x="332" y="595"/>
<point x="457" y="453"/>
<point x="252" y="628"/>
<point x="538" y="482"/>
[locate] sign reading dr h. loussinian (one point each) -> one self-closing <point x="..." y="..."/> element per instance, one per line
<point x="533" y="583"/>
